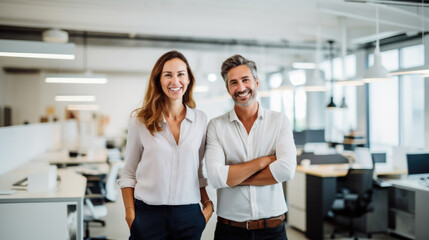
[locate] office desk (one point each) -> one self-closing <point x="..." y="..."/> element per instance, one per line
<point x="409" y="209"/>
<point x="313" y="190"/>
<point x="55" y="214"/>
<point x="61" y="158"/>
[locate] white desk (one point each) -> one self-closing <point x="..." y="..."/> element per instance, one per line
<point x="410" y="209"/>
<point x="42" y="215"/>
<point x="61" y="158"/>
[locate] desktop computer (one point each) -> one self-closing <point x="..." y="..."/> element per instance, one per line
<point x="418" y="165"/>
<point x="381" y="162"/>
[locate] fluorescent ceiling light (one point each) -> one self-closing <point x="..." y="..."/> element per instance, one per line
<point x="35" y="49"/>
<point x="350" y="83"/>
<point x="315" y="88"/>
<point x="411" y="72"/>
<point x="90" y="107"/>
<point x="304" y="65"/>
<point x="60" y="98"/>
<point x="76" y="78"/>
<point x="201" y="88"/>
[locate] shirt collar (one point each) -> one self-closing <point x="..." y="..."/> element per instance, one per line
<point x="190" y="115"/>
<point x="233" y="115"/>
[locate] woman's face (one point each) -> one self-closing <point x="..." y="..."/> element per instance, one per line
<point x="174" y="79"/>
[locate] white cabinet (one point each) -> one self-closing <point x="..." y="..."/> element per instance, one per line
<point x="46" y="221"/>
<point x="296" y="197"/>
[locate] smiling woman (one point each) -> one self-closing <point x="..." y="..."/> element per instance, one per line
<point x="166" y="138"/>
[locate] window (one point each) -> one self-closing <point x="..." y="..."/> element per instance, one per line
<point x="396" y="109"/>
<point x="383" y="113"/>
<point x="389" y="59"/>
<point x="412" y="56"/>
<point x="288" y="103"/>
<point x="300" y="109"/>
<point x="412" y="111"/>
<point x="350" y="69"/>
<point x="283" y="100"/>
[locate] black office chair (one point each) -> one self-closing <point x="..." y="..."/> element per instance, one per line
<point x="354" y="199"/>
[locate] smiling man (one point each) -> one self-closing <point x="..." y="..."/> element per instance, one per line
<point x="250" y="151"/>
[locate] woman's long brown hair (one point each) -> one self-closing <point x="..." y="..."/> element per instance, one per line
<point x="150" y="114"/>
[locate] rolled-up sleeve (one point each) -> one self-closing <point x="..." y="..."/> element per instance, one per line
<point x="217" y="170"/>
<point x="283" y="168"/>
<point x="133" y="154"/>
<point x="202" y="180"/>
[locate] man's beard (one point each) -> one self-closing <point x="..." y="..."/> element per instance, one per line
<point x="251" y="99"/>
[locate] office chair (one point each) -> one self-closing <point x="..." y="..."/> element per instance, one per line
<point x="94" y="208"/>
<point x="355" y="197"/>
<point x="98" y="192"/>
<point x="111" y="193"/>
<point x="93" y="213"/>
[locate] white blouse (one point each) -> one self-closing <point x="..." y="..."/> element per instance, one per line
<point x="161" y="171"/>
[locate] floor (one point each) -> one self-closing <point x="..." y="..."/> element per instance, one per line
<point x="116" y="227"/>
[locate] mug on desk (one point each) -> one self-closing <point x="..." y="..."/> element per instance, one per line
<point x="305" y="162"/>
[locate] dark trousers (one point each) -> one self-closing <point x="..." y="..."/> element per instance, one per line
<point x="227" y="232"/>
<point x="167" y="222"/>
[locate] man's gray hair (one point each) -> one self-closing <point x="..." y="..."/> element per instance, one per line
<point x="235" y="61"/>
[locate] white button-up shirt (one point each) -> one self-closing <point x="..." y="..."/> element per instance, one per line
<point x="228" y="143"/>
<point x="161" y="171"/>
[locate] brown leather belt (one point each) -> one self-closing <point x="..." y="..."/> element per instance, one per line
<point x="255" y="224"/>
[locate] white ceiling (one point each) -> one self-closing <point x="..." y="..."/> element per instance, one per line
<point x="266" y="22"/>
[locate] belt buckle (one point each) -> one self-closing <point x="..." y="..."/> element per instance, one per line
<point x="247" y="225"/>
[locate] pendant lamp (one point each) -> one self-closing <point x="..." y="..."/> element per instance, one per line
<point x="343" y="103"/>
<point x="331" y="104"/>
<point x="377" y="72"/>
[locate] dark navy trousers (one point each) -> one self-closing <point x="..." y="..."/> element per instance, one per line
<point x="167" y="222"/>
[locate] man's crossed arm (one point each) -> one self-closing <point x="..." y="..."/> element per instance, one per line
<point x="255" y="172"/>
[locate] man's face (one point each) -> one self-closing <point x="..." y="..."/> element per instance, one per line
<point x="242" y="85"/>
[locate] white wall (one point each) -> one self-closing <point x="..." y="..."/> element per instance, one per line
<point x="20" y="144"/>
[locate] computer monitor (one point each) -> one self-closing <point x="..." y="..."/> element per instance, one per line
<point x="381" y="162"/>
<point x="299" y="138"/>
<point x="315" y="136"/>
<point x="418" y="163"/>
<point x="379" y="157"/>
